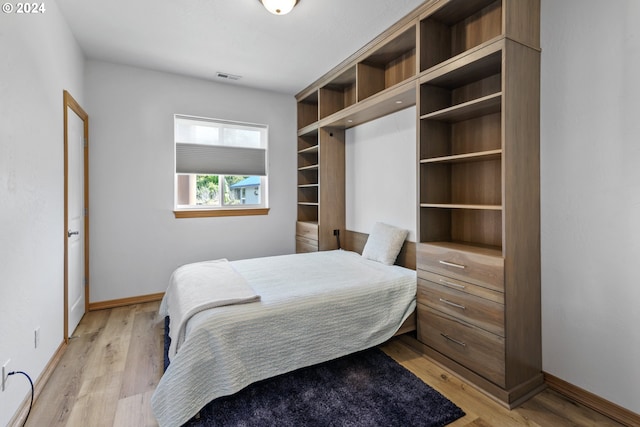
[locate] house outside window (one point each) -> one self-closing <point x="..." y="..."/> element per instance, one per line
<point x="220" y="167"/>
<point x="248" y="190"/>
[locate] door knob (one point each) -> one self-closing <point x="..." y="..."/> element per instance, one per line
<point x="72" y="233"/>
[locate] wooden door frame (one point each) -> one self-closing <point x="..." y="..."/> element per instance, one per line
<point x="70" y="102"/>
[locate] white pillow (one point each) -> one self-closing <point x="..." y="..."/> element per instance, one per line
<point x="384" y="243"/>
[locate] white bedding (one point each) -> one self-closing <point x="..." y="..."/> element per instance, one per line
<point x="314" y="307"/>
<point x="201" y="286"/>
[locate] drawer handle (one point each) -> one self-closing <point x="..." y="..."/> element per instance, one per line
<point x="460" y="343"/>
<point x="455" y="285"/>
<point x="452" y="304"/>
<point x="452" y="264"/>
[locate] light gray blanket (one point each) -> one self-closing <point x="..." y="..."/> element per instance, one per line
<point x="201" y="286"/>
<point x="313" y="308"/>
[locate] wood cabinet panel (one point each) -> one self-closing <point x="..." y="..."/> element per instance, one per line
<point x="331" y="190"/>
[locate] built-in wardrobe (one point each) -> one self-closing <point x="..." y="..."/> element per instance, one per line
<point x="472" y="69"/>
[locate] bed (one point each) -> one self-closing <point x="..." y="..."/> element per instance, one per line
<point x="310" y="308"/>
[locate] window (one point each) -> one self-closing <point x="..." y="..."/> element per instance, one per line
<point x="221" y="167"/>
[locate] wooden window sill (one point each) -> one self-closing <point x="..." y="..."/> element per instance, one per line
<point x="206" y="213"/>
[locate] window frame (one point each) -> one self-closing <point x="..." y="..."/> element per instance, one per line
<point x="202" y="211"/>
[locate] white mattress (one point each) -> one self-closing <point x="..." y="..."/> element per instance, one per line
<point x="313" y="308"/>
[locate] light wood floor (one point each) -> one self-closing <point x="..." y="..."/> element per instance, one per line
<point x="114" y="362"/>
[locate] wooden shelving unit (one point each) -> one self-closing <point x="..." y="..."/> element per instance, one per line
<point x="320" y="188"/>
<point x="472" y="68"/>
<point x="478" y="258"/>
<point x="375" y="82"/>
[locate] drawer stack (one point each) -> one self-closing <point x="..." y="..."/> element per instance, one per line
<point x="461" y="306"/>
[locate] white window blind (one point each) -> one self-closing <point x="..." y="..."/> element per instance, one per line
<point x="207" y="146"/>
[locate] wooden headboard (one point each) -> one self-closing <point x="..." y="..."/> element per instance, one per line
<point x="355" y="241"/>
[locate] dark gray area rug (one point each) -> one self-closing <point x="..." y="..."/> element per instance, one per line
<point x="367" y="388"/>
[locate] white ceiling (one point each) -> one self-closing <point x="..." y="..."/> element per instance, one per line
<point x="201" y="37"/>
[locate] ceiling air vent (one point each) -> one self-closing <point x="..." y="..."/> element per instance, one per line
<point x="227" y="76"/>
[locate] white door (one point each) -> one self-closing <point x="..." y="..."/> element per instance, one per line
<point x="75" y="219"/>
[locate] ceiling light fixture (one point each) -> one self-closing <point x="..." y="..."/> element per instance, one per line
<point x="279" y="7"/>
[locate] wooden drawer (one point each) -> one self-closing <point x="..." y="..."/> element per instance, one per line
<point x="308" y="230"/>
<point x="306" y="245"/>
<point x="478" y="350"/>
<point x="483" y="313"/>
<point x="462" y="286"/>
<point x="483" y="267"/>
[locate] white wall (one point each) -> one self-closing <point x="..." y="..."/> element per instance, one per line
<point x="39" y="59"/>
<point x="381" y="173"/>
<point x="135" y="240"/>
<point x="590" y="153"/>
<point x="590" y="167"/>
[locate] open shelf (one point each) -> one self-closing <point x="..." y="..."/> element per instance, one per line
<point x="476" y="64"/>
<point x="478" y="107"/>
<point x="313" y="167"/>
<point x="307" y="141"/>
<point x="461" y="183"/>
<point x="388" y="65"/>
<point x="391" y="100"/>
<point x="308" y="213"/>
<point x="308" y="158"/>
<point x="472" y="138"/>
<point x="469" y="157"/>
<point x="474" y="248"/>
<point x="339" y="93"/>
<point x="458" y="206"/>
<point x="309" y="150"/>
<point x="309" y="130"/>
<point x="308" y="194"/>
<point x="471" y="87"/>
<point x="459" y="25"/>
<point x="308" y="110"/>
<point x="308" y="176"/>
<point x="465" y="226"/>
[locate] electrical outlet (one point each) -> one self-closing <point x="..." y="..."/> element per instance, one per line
<point x="36" y="337"/>
<point x="5" y="374"/>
